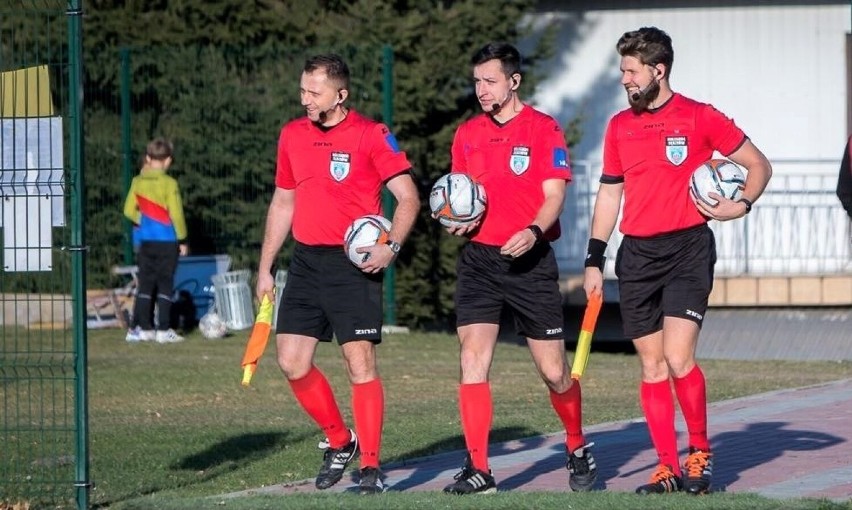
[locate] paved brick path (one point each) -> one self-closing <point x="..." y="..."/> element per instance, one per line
<point x="790" y="443"/>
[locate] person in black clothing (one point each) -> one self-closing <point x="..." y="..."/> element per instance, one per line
<point x="844" y="180"/>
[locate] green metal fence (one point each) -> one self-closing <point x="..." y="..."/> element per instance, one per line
<point x="43" y="407"/>
<point x="62" y="227"/>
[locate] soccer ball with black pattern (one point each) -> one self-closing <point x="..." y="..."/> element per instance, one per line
<point x="457" y="200"/>
<point x="365" y="231"/>
<point x="718" y="176"/>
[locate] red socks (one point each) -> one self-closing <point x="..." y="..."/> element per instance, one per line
<point x="476" y="409"/>
<point x="691" y="393"/>
<point x="368" y="409"/>
<point x="315" y="396"/>
<point x="658" y="406"/>
<point x="568" y="406"/>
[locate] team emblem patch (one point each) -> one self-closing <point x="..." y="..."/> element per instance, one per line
<point x="676" y="149"/>
<point x="339" y="166"/>
<point x="520" y="160"/>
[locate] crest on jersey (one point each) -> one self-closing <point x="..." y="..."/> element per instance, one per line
<point x="339" y="166"/>
<point x="676" y="149"/>
<point x="520" y="160"/>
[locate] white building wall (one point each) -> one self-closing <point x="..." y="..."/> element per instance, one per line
<point x="778" y="71"/>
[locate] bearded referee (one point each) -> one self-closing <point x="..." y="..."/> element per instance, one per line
<point x="665" y="262"/>
<point x="332" y="165"/>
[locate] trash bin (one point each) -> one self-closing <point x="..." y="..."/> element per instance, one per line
<point x="280" y="282"/>
<point x="194" y="274"/>
<point x="233" y="299"/>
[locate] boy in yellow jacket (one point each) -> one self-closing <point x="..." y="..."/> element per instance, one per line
<point x="154" y="205"/>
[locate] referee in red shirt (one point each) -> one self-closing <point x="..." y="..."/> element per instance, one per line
<point x="519" y="156"/>
<point x="665" y="262"/>
<point x="332" y="165"/>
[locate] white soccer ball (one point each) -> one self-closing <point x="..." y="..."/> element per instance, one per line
<point x="365" y="231"/>
<point x="719" y="176"/>
<point x="457" y="200"/>
<point x="212" y="326"/>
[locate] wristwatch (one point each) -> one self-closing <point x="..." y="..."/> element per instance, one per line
<point x="536" y="230"/>
<point x="394" y="246"/>
<point x="747" y="203"/>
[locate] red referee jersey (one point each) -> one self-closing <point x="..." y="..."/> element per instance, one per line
<point x="337" y="174"/>
<point x="511" y="161"/>
<point x="655" y="153"/>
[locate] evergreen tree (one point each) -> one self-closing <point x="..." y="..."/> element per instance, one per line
<point x="220" y="77"/>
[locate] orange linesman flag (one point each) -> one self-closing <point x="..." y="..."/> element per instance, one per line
<point x="584" y="342"/>
<point x="258" y="339"/>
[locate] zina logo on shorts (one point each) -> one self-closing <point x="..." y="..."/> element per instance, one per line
<point x="367" y="331"/>
<point x="694" y="314"/>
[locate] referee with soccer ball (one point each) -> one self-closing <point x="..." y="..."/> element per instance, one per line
<point x="518" y="155"/>
<point x="332" y="165"/>
<point x="665" y="262"/>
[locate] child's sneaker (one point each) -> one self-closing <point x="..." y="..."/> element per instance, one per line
<point x="134" y="335"/>
<point x="168" y="337"/>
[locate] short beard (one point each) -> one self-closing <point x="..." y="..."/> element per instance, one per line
<point x="646" y="97"/>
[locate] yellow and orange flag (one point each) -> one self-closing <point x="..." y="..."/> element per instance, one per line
<point x="584" y="342"/>
<point x="258" y="339"/>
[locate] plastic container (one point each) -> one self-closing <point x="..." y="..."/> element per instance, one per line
<point x="194" y="275"/>
<point x="234" y="299"/>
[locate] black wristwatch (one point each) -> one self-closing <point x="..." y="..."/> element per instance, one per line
<point x="394" y="246"/>
<point x="747" y="203"/>
<point x="536" y="230"/>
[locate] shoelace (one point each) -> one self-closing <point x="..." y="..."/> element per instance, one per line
<point x="663" y="472"/>
<point x="465" y="472"/>
<point x="696" y="462"/>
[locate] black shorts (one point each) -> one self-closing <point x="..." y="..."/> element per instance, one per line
<point x="670" y="275"/>
<point x="529" y="285"/>
<point x="326" y="295"/>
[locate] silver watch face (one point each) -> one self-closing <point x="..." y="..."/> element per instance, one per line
<point x="394" y="246"/>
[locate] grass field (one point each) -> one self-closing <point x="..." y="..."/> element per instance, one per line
<point x="171" y="426"/>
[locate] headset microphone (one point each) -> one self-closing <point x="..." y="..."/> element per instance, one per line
<point x="323" y="115"/>
<point x="636" y="96"/>
<point x="496" y="107"/>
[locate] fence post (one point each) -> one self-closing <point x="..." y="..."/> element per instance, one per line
<point x="126" y="160"/>
<point x="77" y="250"/>
<point x="388" y="203"/>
